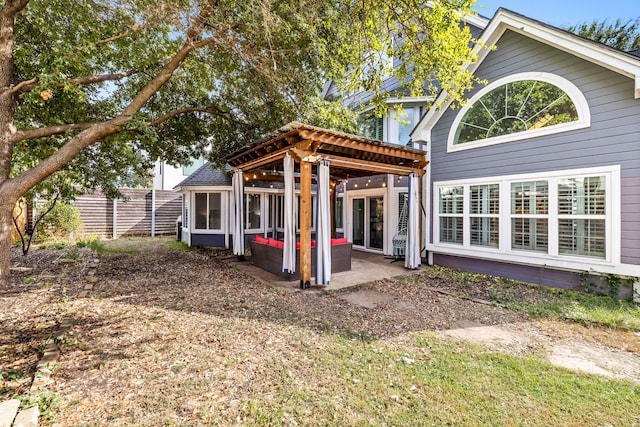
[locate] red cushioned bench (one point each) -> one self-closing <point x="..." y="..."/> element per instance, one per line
<point x="267" y="254"/>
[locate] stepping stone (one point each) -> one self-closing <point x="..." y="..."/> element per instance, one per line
<point x="8" y="411"/>
<point x="27" y="417"/>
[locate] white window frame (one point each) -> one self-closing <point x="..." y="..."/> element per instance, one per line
<point x="484" y="215"/>
<point x="576" y="96"/>
<point x="342" y="199"/>
<point x="223" y="210"/>
<point x="552" y="258"/>
<point x="394" y="122"/>
<point x="260" y="229"/>
<point x="191" y="203"/>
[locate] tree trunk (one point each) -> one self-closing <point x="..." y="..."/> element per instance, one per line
<point x="6" y="225"/>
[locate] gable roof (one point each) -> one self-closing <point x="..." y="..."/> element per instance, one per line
<point x="624" y="63"/>
<point x="206" y="175"/>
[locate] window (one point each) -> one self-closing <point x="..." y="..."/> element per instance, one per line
<point x="208" y="211"/>
<point x="185" y="211"/>
<point x="279" y="211"/>
<point x="403" y="207"/>
<point x="529" y="216"/>
<point x="518" y="107"/>
<point x="252" y="212"/>
<point x="555" y="217"/>
<point x="582" y="216"/>
<point x="405" y="125"/>
<point x="484" y="210"/>
<point x="339" y="211"/>
<point x="372" y="127"/>
<point x="193" y="166"/>
<point x="451" y="219"/>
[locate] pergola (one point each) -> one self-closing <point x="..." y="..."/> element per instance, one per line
<point x="349" y="156"/>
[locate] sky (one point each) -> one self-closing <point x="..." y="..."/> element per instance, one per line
<point x="562" y="13"/>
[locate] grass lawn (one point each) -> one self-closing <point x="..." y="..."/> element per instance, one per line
<point x="170" y="336"/>
<point x="430" y="381"/>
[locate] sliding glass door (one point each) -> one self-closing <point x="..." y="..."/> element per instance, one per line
<point x="368" y="222"/>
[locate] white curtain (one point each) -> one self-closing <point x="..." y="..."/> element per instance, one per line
<point x="323" y="226"/>
<point x="289" y="251"/>
<point x="412" y="250"/>
<point x="238" y="213"/>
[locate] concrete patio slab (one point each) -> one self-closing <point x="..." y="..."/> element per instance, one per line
<point x="365" y="267"/>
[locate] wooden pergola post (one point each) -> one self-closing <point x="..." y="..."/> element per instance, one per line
<point x="305" y="224"/>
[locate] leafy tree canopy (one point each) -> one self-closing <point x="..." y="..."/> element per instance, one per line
<point x="93" y="89"/>
<point x="622" y="34"/>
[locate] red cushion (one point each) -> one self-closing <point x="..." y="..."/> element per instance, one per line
<point x="271" y="241"/>
<point x="261" y="239"/>
<point x="297" y="245"/>
<point x="313" y="243"/>
<point x="279" y="244"/>
<point x="341" y="241"/>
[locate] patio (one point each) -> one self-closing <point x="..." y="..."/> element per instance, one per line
<point x="365" y="267"/>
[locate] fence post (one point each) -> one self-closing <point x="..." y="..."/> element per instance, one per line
<point x="153" y="212"/>
<point x="115" y="219"/>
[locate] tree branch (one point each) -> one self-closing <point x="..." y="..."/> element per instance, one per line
<point x="28" y="85"/>
<point x="24" y="134"/>
<point x="97" y="132"/>
<point x="12" y="7"/>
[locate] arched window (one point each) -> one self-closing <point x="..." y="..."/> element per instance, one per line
<point x="518" y="107"/>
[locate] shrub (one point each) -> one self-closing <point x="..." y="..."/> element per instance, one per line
<point x="61" y="221"/>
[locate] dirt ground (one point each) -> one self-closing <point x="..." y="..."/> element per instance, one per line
<point x="143" y="305"/>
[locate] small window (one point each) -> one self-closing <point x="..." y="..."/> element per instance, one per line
<point x="252" y="211"/>
<point x="185" y="211"/>
<point x="372" y="127"/>
<point x="451" y="214"/>
<point x="518" y="107"/>
<point x="339" y="211"/>
<point x="484" y="211"/>
<point x="530" y="216"/>
<point x="582" y="216"/>
<point x="208" y="211"/>
<point x="405" y="125"/>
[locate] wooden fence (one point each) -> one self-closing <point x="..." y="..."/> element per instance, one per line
<point x="140" y="212"/>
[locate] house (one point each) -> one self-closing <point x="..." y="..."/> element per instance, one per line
<point x="537" y="178"/>
<point x="166" y="176"/>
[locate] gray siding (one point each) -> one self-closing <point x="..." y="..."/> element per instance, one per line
<point x="526" y="273"/>
<point x="630" y="201"/>
<point x="612" y="139"/>
<point x="210" y="240"/>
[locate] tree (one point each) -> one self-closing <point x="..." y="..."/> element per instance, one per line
<point x="89" y="85"/>
<point x="621" y="34"/>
